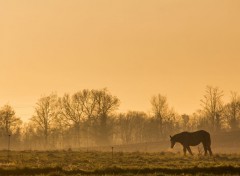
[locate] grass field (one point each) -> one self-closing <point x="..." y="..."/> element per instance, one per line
<point x="62" y="163"/>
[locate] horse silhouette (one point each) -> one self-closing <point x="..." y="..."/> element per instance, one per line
<point x="188" y="139"/>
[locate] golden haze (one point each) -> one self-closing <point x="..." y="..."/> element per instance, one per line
<point x="134" y="48"/>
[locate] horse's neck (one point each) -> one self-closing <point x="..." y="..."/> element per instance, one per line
<point x="178" y="138"/>
<point x="181" y="137"/>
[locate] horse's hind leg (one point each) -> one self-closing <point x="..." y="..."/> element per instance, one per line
<point x="210" y="150"/>
<point x="205" y="149"/>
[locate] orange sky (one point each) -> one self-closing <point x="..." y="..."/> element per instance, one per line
<point x="135" y="48"/>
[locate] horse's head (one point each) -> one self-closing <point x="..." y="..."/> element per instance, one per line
<point x="172" y="141"/>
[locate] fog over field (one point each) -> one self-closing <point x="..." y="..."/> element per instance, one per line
<point x="88" y="120"/>
<point x="129" y="87"/>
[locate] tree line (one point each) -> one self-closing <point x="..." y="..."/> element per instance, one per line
<point x="90" y="118"/>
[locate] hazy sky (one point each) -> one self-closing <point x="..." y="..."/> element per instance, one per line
<point x="135" y="48"/>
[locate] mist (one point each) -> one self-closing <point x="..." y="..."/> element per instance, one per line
<point x="89" y="120"/>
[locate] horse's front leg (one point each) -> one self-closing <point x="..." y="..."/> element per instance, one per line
<point x="184" y="150"/>
<point x="189" y="150"/>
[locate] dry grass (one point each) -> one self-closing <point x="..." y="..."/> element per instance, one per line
<point x="101" y="163"/>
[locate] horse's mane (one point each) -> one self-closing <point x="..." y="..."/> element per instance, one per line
<point x="176" y="136"/>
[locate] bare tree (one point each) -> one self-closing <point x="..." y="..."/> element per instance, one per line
<point x="105" y="104"/>
<point x="91" y="108"/>
<point x="160" y="110"/>
<point x="130" y="126"/>
<point x="9" y="124"/>
<point x="45" y="113"/>
<point x="72" y="113"/>
<point x="8" y="120"/>
<point x="88" y="101"/>
<point x="213" y="107"/>
<point x="232" y="111"/>
<point x="185" y="121"/>
<point x="138" y="122"/>
<point x="32" y="136"/>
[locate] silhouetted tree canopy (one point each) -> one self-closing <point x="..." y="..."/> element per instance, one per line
<point x="90" y="118"/>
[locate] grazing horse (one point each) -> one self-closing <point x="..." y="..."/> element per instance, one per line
<point x="188" y="139"/>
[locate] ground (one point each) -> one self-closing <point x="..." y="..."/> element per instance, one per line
<point x="52" y="163"/>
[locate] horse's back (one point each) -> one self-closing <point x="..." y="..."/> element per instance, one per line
<point x="194" y="138"/>
<point x="203" y="135"/>
<point x="203" y="132"/>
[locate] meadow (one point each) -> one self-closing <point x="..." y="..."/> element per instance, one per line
<point x="53" y="163"/>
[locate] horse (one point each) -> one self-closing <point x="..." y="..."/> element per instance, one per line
<point x="188" y="139"/>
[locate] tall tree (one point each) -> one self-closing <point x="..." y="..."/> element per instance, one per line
<point x="106" y="104"/>
<point x="45" y="113"/>
<point x="88" y="101"/>
<point x="9" y="123"/>
<point x="232" y="111"/>
<point x="72" y="113"/>
<point x="213" y="107"/>
<point x="130" y="126"/>
<point x="160" y="110"/>
<point x="8" y="120"/>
